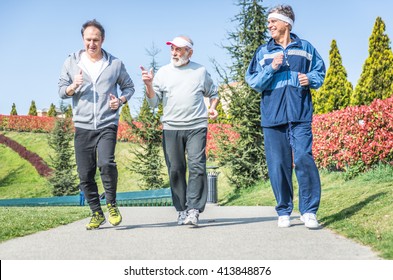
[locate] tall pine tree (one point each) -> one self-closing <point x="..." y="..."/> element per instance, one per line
<point x="376" y="79"/>
<point x="148" y="161"/>
<point x="60" y="139"/>
<point x="336" y="91"/>
<point x="32" y="109"/>
<point x="245" y="158"/>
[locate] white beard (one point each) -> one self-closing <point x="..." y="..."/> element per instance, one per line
<point x="181" y="61"/>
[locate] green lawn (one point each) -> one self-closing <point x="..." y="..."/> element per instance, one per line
<point x="18" y="178"/>
<point x="38" y="143"/>
<point x="21" y="221"/>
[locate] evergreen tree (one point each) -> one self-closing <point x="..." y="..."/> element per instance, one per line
<point x="68" y="112"/>
<point x="336" y="91"/>
<point x="13" y="110"/>
<point x="148" y="160"/>
<point x="52" y="111"/>
<point x="245" y="158"/>
<point x="33" y="109"/>
<point x="376" y="79"/>
<point x="62" y="161"/>
<point x="125" y="114"/>
<point x="145" y="111"/>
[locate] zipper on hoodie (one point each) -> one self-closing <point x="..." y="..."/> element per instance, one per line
<point x="94" y="105"/>
<point x="285" y="51"/>
<point x="94" y="88"/>
<point x="106" y="64"/>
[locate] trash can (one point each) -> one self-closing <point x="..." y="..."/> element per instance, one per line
<point x="212" y="178"/>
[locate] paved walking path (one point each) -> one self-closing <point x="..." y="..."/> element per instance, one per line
<point x="151" y="233"/>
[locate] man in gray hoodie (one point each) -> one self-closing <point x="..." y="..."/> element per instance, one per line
<point x="91" y="78"/>
<point x="181" y="86"/>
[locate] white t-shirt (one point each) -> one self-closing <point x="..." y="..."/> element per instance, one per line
<point x="94" y="69"/>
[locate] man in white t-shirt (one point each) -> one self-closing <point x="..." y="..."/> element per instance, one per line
<point x="91" y="77"/>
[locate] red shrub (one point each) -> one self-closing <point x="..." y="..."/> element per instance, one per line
<point x="27" y="123"/>
<point x="355" y="134"/>
<point x="124" y="133"/>
<point x="214" y="133"/>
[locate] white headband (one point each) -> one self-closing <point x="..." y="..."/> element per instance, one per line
<point x="281" y="17"/>
<point x="180" y="42"/>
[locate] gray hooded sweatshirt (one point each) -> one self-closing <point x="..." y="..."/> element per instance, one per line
<point x="90" y="102"/>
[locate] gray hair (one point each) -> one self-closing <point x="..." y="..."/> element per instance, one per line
<point x="285" y="10"/>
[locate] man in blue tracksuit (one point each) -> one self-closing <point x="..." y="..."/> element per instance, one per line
<point x="283" y="71"/>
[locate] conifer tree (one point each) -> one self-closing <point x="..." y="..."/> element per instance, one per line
<point x="245" y="158"/>
<point x="148" y="161"/>
<point x="68" y="112"/>
<point x="60" y="139"/>
<point x="52" y="111"/>
<point x="32" y="109"/>
<point x="376" y="79"/>
<point x="13" y="110"/>
<point x="335" y="93"/>
<point x="144" y="112"/>
<point x="125" y="114"/>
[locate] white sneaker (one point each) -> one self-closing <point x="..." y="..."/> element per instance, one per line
<point x="284" y="221"/>
<point x="310" y="220"/>
<point x="192" y="217"/>
<point x="182" y="216"/>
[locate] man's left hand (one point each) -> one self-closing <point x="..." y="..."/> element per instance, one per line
<point x="213" y="114"/>
<point x="303" y="79"/>
<point x="114" y="102"/>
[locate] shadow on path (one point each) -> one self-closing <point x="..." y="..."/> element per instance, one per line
<point x="220" y="222"/>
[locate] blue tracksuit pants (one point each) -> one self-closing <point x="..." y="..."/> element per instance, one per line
<point x="285" y="145"/>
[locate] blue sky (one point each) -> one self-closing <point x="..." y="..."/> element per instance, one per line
<point x="37" y="35"/>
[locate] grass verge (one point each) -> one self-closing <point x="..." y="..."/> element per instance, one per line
<point x="21" y="221"/>
<point x="360" y="209"/>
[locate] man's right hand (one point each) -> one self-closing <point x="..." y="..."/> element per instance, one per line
<point x="277" y="61"/>
<point x="147" y="77"/>
<point x="78" y="80"/>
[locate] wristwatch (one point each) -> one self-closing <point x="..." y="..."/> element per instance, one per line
<point x="120" y="102"/>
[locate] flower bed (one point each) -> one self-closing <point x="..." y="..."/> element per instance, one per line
<point x="27" y="123"/>
<point x="355" y="134"/>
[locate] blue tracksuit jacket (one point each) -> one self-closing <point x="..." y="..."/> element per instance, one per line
<point x="284" y="100"/>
